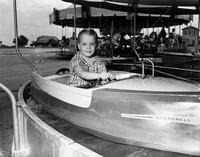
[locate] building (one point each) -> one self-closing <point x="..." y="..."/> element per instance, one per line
<point x="190" y="36"/>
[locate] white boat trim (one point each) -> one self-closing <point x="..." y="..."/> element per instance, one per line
<point x="82" y="97"/>
<point x="60" y="91"/>
<point x="75" y="96"/>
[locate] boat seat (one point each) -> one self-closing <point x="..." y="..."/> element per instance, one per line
<point x="65" y="80"/>
<point x="62" y="80"/>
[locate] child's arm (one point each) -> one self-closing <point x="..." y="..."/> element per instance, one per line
<point x="91" y="75"/>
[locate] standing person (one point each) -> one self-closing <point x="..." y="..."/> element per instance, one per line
<point x="140" y="45"/>
<point x="162" y="36"/>
<point x="153" y="43"/>
<point x="86" y="70"/>
<point x="124" y="44"/>
<point x="174" y="40"/>
<point x="109" y="51"/>
<point x="174" y="32"/>
<point x="146" y="44"/>
<point x="116" y="38"/>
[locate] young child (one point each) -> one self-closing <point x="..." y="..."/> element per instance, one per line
<point x="86" y="69"/>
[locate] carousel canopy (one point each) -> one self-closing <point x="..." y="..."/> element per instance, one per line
<point x="151" y="2"/>
<point x="104" y="18"/>
<point x="150" y="13"/>
<point x="144" y="6"/>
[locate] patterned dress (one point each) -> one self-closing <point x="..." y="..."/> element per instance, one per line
<point x="96" y="66"/>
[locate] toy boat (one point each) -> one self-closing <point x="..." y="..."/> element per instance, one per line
<point x="154" y="112"/>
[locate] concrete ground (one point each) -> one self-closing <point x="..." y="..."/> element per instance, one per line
<point x="6" y="127"/>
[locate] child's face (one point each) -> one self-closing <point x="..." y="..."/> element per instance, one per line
<point x="87" y="45"/>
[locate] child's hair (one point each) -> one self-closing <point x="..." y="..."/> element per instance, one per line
<point x="89" y="32"/>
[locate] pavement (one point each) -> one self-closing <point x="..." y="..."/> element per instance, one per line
<point x="6" y="126"/>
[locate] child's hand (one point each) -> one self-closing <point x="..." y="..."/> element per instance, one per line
<point x="104" y="75"/>
<point x="112" y="77"/>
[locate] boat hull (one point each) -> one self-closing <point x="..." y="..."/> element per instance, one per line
<point x="149" y="119"/>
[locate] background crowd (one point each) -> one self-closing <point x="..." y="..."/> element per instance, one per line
<point x="121" y="44"/>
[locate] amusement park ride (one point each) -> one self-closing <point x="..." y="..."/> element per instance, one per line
<point x="135" y="109"/>
<point x="127" y="19"/>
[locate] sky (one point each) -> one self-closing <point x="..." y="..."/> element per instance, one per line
<point x="33" y="19"/>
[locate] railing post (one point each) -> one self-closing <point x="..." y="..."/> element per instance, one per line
<point x="15" y="118"/>
<point x="143" y="70"/>
<point x="143" y="59"/>
<point x="20" y="145"/>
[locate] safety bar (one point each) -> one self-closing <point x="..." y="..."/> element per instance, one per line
<point x="142" y="60"/>
<point x="146" y="59"/>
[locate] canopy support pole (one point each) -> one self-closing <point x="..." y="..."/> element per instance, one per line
<point x="16" y="38"/>
<point x="134" y="31"/>
<point x="62" y="41"/>
<point x="134" y="25"/>
<point x="75" y="25"/>
<point x="111" y="30"/>
<point x="135" y="5"/>
<point x="132" y="42"/>
<point x="198" y="27"/>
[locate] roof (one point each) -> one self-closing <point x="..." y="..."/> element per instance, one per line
<point x="190" y="27"/>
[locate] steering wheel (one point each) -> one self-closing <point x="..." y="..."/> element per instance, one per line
<point x="62" y="71"/>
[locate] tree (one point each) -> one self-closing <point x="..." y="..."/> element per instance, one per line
<point x="22" y="41"/>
